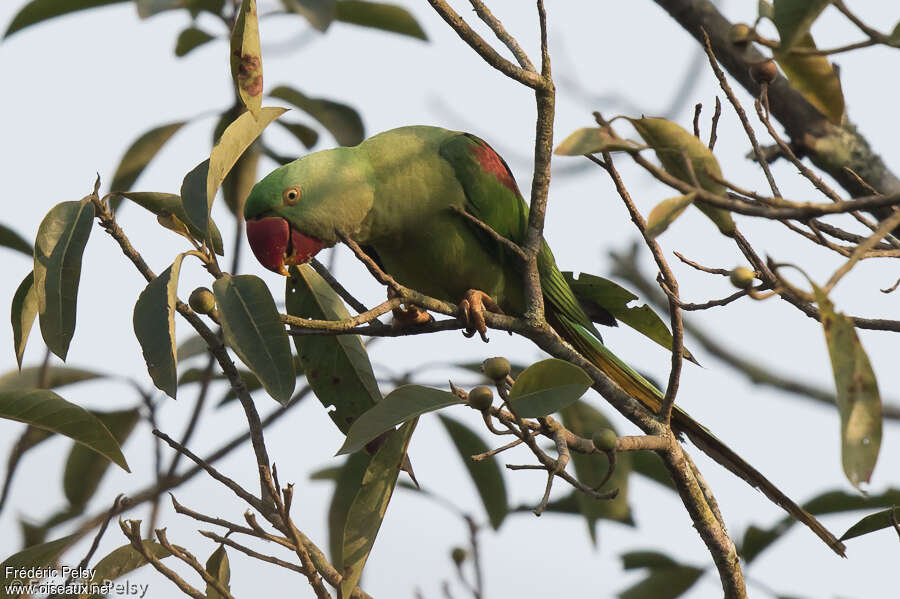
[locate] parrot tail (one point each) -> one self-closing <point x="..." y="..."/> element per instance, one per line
<point x="644" y="391"/>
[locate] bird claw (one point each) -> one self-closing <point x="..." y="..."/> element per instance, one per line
<point x="471" y="312"/>
<point x="409" y="315"/>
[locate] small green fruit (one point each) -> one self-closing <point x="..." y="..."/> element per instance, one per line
<point x="459" y="555"/>
<point x="764" y="72"/>
<point x="604" y="439"/>
<point x="481" y="398"/>
<point x="740" y="34"/>
<point x="496" y="369"/>
<point x="202" y="300"/>
<point x="742" y="277"/>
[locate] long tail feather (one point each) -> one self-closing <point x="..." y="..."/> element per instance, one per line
<point x="645" y="392"/>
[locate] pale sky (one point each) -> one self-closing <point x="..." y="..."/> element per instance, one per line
<point x="80" y="89"/>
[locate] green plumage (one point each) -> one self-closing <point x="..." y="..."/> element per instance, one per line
<point x="398" y="193"/>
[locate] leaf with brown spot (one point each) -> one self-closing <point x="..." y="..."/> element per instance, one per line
<point x="858" y="399"/>
<point x="246" y="57"/>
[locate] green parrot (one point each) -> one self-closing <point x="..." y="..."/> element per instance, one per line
<point x="399" y="195"/>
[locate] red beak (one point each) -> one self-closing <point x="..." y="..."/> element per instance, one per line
<point x="276" y="245"/>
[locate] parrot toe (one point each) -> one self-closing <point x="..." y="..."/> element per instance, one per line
<point x="471" y="312"/>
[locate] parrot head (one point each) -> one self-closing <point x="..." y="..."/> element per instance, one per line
<point x="296" y="209"/>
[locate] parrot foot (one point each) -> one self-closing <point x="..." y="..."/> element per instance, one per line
<point x="410" y="315"/>
<point x="471" y="312"/>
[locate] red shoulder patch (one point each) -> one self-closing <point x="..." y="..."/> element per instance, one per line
<point x="491" y="162"/>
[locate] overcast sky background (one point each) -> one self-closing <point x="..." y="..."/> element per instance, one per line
<point x="78" y="90"/>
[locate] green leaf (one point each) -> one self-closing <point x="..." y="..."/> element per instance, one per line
<point x="347" y="484"/>
<point x="546" y="387"/>
<point x="41" y="10"/>
<point x="646" y="559"/>
<point x="12" y="240"/>
<point x="815" y="78"/>
<point x="168" y="206"/>
<point x="85" y="468"/>
<point x="400" y="405"/>
<point x="871" y="523"/>
<point x="60" y="243"/>
<point x="125" y="559"/>
<point x="337" y="367"/>
<point x="154" y="327"/>
<point x="218" y="567"/>
<point x="47" y="410"/>
<point x="387" y="17"/>
<point x="486" y="474"/>
<point x="615" y="299"/>
<point x="57" y="376"/>
<point x="253" y="329"/>
<point x="194" y="345"/>
<point x="583" y="420"/>
<point x="148" y="8"/>
<point x="342" y="121"/>
<point x="672" y="143"/>
<point x="648" y="464"/>
<point x="793" y="18"/>
<point x="665" y="213"/>
<point x="319" y="13"/>
<point x="894" y="38"/>
<point x="368" y="508"/>
<point x="23" y="312"/>
<point x="195" y="200"/>
<point x="307" y="136"/>
<point x="757" y="539"/>
<point x="36" y="556"/>
<point x="237" y="137"/>
<point x="591" y="140"/>
<point x="139" y="155"/>
<point x="237" y="185"/>
<point x="191" y="39"/>
<point x="858" y="400"/>
<point x="246" y="58"/>
<point x="666" y="582"/>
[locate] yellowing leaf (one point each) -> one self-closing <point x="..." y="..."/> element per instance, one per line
<point x="665" y="213"/>
<point x="815" y="78"/>
<point x="590" y="140"/>
<point x="246" y="57"/>
<point x="858" y="400"/>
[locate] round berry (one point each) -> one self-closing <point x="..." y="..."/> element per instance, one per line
<point x="604" y="439"/>
<point x="496" y="369"/>
<point x="202" y="300"/>
<point x="481" y="398"/>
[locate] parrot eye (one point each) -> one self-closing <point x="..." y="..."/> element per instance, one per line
<point x="291" y="196"/>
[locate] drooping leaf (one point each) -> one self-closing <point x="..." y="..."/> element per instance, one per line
<point x="35" y="556"/>
<point x="125" y="559"/>
<point x="368" y="508"/>
<point x="858" y="400"/>
<point x="379" y="15"/>
<point x="757" y="539"/>
<point x="548" y="386"/>
<point x="41" y="10"/>
<point x="85" y="468"/>
<point x="56" y="376"/>
<point x="218" y="567"/>
<point x="190" y="39"/>
<point x="615" y="299"/>
<point x="674" y="146"/>
<point x="665" y="213"/>
<point x="23" y="312"/>
<point x="337" y="367"/>
<point x="583" y="420"/>
<point x="139" y="155"/>
<point x="246" y="57"/>
<point x="253" y="329"/>
<point x="47" y="410"/>
<point x="237" y="137"/>
<point x="60" y="243"/>
<point x="591" y="140"/>
<point x="815" y="78"/>
<point x="195" y="201"/>
<point x="486" y="474"/>
<point x="873" y="522"/>
<point x="793" y="18"/>
<point x="154" y="327"/>
<point x="342" y="121"/>
<point x="348" y="481"/>
<point x="307" y="136"/>
<point x="319" y="13"/>
<point x="666" y="578"/>
<point x="400" y="405"/>
<point x="169" y="206"/>
<point x="12" y="240"/>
